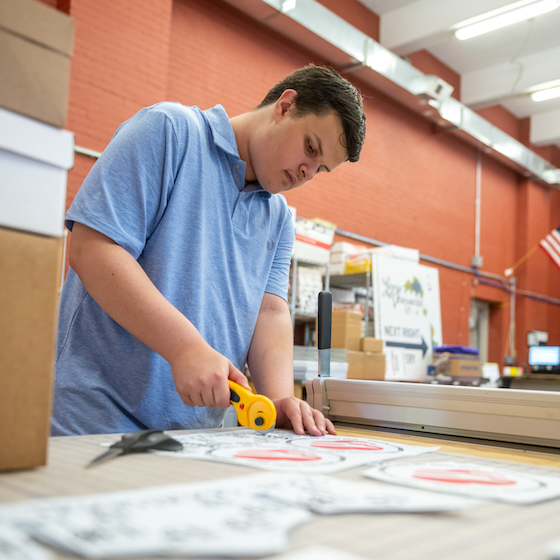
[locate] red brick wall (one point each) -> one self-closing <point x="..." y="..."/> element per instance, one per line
<point x="414" y="186"/>
<point x="119" y="66"/>
<point x="356" y="14"/>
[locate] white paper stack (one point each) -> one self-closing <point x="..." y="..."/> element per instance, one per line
<point x="309" y="284"/>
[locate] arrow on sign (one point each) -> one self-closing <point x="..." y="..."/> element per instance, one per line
<point x="410" y="346"/>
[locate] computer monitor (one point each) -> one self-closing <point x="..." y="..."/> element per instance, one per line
<point x="544" y="355"/>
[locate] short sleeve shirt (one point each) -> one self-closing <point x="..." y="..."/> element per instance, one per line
<point x="170" y="189"/>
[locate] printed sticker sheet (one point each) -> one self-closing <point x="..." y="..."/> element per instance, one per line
<point x="241" y="516"/>
<point x="471" y="479"/>
<point x="285" y="451"/>
<point x="226" y="517"/>
<point x="327" y="495"/>
<point x="16" y="544"/>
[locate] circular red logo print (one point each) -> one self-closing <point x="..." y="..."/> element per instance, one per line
<point x="347" y="445"/>
<point x="276" y="455"/>
<point x="463" y="476"/>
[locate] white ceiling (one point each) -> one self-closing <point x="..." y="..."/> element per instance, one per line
<point x="499" y="67"/>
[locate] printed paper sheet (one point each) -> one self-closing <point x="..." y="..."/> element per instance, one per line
<point x="471" y="479"/>
<point x="241" y="516"/>
<point x="328" y="495"/>
<point x="285" y="451"/>
<point x="227" y="517"/>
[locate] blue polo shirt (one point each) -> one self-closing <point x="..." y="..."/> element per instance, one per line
<point x="170" y="189"/>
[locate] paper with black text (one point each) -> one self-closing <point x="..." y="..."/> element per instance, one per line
<point x="283" y="450"/>
<point x="226" y="517"/>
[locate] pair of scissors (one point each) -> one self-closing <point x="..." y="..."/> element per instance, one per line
<point x="138" y="442"/>
<point x="253" y="411"/>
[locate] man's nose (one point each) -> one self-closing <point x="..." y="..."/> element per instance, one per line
<point x="309" y="170"/>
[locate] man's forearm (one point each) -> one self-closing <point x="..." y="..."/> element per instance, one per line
<point x="270" y="356"/>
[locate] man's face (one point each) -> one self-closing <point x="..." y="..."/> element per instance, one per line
<point x="294" y="149"/>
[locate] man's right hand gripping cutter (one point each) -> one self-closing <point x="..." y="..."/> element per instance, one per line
<point x="253" y="411"/>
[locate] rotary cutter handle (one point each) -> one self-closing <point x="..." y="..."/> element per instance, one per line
<point x="253" y="411"/>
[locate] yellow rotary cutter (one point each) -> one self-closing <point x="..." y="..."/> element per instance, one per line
<point x="253" y="411"/>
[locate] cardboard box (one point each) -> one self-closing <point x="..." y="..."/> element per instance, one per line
<point x="366" y="365"/>
<point x="357" y="266"/>
<point x="34" y="159"/>
<point x="346" y="330"/>
<point x="30" y="274"/>
<point x="36" y="45"/>
<point x="370" y="344"/>
<point x="459" y="366"/>
<point x="313" y="241"/>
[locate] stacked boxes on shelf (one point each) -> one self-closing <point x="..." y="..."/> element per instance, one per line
<point x="368" y="362"/>
<point x="346" y="329"/>
<point x="341" y="253"/>
<point x="35" y="155"/>
<point x="313" y="241"/>
<point x="309" y="284"/>
<point x="364" y="355"/>
<point x="459" y="366"/>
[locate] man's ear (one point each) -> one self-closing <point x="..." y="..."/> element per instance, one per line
<point x="286" y="103"/>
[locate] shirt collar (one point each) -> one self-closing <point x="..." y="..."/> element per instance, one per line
<point x="221" y="129"/>
<point x="224" y="138"/>
<point x="253" y="187"/>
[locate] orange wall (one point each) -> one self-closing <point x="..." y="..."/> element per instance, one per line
<point x="414" y="185"/>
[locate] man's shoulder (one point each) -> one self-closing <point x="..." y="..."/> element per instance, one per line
<point x="188" y="119"/>
<point x="177" y="113"/>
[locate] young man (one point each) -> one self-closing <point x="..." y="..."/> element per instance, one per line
<point x="180" y="256"/>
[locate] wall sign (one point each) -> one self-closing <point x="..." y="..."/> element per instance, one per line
<point x="407" y="315"/>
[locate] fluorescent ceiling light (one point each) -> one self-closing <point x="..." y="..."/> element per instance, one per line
<point x="496" y="19"/>
<point x="544" y="85"/>
<point x="545" y="94"/>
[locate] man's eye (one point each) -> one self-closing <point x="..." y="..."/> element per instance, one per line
<point x="310" y="148"/>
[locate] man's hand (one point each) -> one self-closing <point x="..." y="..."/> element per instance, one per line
<point x="297" y="414"/>
<point x="201" y="376"/>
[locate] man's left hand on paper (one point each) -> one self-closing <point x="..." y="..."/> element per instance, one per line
<point x="297" y="414"/>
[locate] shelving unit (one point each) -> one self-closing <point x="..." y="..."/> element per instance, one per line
<point x="359" y="280"/>
<point x="305" y="262"/>
<point x="306" y="318"/>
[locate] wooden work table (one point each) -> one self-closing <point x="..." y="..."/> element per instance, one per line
<point x="490" y="530"/>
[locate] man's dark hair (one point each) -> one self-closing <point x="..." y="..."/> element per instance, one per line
<point x="320" y="90"/>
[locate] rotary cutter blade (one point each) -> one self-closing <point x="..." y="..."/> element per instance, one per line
<point x="253" y="411"/>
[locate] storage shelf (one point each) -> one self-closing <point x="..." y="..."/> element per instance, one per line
<point x="358" y="280"/>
